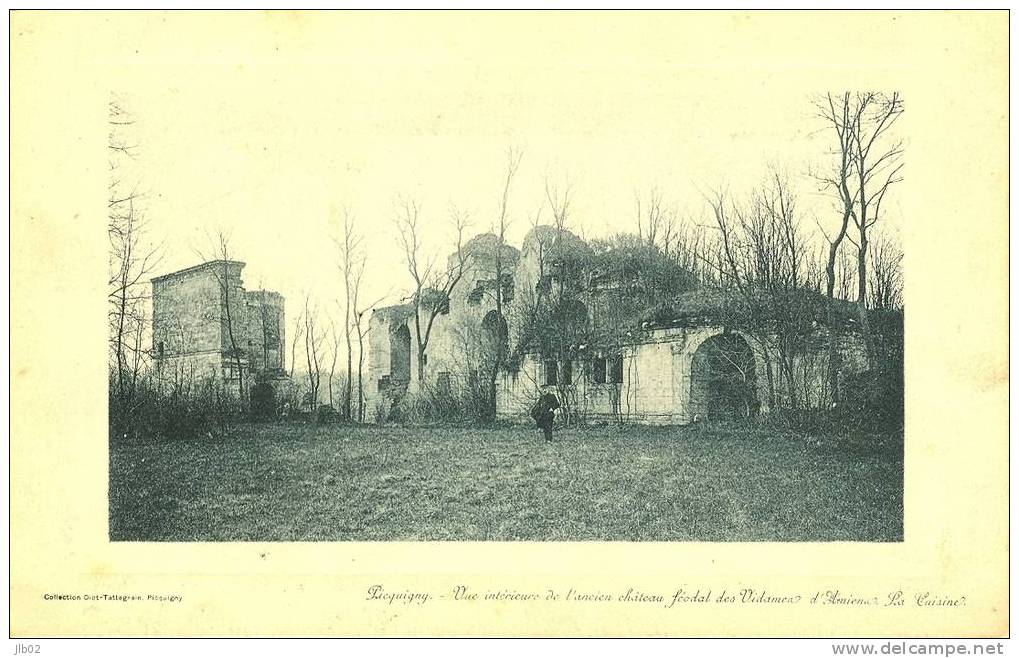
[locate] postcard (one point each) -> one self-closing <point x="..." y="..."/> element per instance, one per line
<point x="500" y="323"/>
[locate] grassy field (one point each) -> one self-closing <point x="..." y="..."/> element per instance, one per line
<point x="306" y="483"/>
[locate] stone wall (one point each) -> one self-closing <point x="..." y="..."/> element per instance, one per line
<point x="264" y="331"/>
<point x="453" y="355"/>
<point x="185" y="313"/>
<point x="658" y="383"/>
<point x="190" y="336"/>
<point x="659" y="379"/>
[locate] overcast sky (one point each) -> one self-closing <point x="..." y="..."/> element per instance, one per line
<point x="266" y="131"/>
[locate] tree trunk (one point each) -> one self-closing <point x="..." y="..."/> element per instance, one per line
<point x="833" y="372"/>
<point x="421" y="364"/>
<point x="360" y="380"/>
<point x="121" y="312"/>
<point x="833" y="252"/>
<point x="348" y="383"/>
<point x="861" y="301"/>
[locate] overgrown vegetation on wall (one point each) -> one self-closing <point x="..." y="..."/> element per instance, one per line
<point x="754" y="267"/>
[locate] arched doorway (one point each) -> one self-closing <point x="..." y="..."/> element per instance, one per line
<point x="723" y="380"/>
<point x="399" y="356"/>
<point x="572" y="314"/>
<point x="494" y="350"/>
<point x="494" y="335"/>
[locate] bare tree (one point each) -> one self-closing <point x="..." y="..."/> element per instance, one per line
<point x="500" y="346"/>
<point x="763" y="261"/>
<point x="298" y="336"/>
<point x="656" y="222"/>
<point x="552" y="321"/>
<point x="131" y="259"/>
<point x="472" y="354"/>
<point x="362" y="333"/>
<point x="361" y="330"/>
<point x="868" y="164"/>
<point x="845" y="275"/>
<point x="527" y="304"/>
<point x="333" y="353"/>
<point x="351" y="264"/>
<point x="877" y="163"/>
<point x="271" y="335"/>
<point x="313" y="340"/>
<point x="885" y="287"/>
<point x="669" y="231"/>
<point x="690" y="248"/>
<point x="842" y="115"/>
<point x="227" y="314"/>
<point x="433" y="285"/>
<point x="560" y="320"/>
<point x="559" y="202"/>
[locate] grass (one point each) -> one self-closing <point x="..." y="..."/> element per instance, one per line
<point x="335" y="483"/>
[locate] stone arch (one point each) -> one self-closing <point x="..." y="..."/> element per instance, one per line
<point x="574" y="312"/>
<point x="495" y="332"/>
<point x="723" y="378"/>
<point x="399" y="354"/>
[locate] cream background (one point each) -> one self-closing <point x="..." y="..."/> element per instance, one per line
<point x="578" y="91"/>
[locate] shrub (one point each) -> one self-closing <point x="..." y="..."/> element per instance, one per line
<point x="873" y="400"/>
<point x="468" y="404"/>
<point x="182" y="411"/>
<point x="327" y="414"/>
<point x="263" y="401"/>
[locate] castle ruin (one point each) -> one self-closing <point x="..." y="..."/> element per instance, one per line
<point x="605" y="343"/>
<point x="207" y="327"/>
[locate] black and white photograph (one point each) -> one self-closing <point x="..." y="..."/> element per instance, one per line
<point x="569" y="324"/>
<point x="505" y="323"/>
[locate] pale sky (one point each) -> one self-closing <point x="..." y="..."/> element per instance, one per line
<point x="267" y="128"/>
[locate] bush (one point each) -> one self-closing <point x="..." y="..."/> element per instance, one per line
<point x="263" y="401"/>
<point x="327" y="414"/>
<point x="148" y="411"/>
<point x="873" y="400"/>
<point x="428" y="405"/>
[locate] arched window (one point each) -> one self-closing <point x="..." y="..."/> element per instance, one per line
<point x="495" y="332"/>
<point x="723" y="381"/>
<point x="399" y="354"/>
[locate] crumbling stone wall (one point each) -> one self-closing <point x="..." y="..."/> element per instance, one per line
<point x="659" y="378"/>
<point x="190" y="337"/>
<point x="653" y="376"/>
<point x="264" y="331"/>
<point x="451" y="363"/>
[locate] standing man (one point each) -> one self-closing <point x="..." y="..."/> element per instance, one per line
<point x="543" y="413"/>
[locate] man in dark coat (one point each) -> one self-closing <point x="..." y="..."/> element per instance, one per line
<point x="543" y="413"/>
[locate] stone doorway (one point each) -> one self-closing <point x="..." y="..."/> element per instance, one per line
<point x="723" y="379"/>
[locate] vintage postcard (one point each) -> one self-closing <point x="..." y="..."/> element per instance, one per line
<point x="457" y="323"/>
